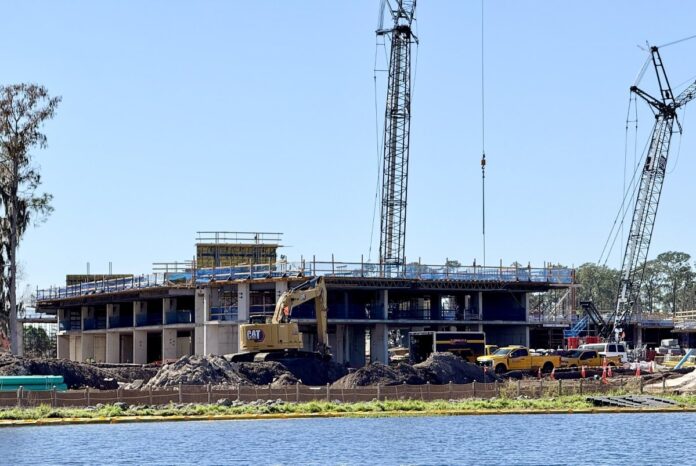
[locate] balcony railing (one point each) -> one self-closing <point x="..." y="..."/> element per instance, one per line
<point x="94" y="324"/>
<point x="224" y="313"/>
<point x="66" y="326"/>
<point x="120" y="321"/>
<point x="179" y="317"/>
<point x="145" y="319"/>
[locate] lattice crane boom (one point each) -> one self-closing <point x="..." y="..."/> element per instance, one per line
<point x="397" y="126"/>
<point x="648" y="196"/>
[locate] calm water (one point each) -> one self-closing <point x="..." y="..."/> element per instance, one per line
<point x="626" y="439"/>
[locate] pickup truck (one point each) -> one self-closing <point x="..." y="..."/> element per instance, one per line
<point x="511" y="358"/>
<point x="589" y="358"/>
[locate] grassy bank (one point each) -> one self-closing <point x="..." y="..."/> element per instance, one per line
<point x="372" y="408"/>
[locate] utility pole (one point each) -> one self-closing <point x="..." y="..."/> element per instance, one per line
<point x="397" y="126"/>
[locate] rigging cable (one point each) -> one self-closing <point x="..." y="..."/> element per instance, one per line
<point x="483" y="142"/>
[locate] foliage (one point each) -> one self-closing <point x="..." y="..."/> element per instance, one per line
<point x="599" y="284"/>
<point x="37" y="343"/>
<point x="23" y="110"/>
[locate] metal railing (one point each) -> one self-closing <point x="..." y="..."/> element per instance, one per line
<point x="120" y="321"/>
<point x="146" y="318"/>
<point x="224" y="313"/>
<point x="474" y="274"/>
<point x="178" y="317"/>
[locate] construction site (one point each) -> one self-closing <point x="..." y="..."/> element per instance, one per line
<point x="240" y="300"/>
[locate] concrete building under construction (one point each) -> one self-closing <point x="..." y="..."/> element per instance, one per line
<point x="197" y="310"/>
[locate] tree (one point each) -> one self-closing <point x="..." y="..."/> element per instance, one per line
<point x="651" y="296"/>
<point x="23" y="110"/>
<point x="598" y="284"/>
<point x="37" y="344"/>
<point x="676" y="275"/>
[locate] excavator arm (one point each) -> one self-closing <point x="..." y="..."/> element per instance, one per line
<point x="313" y="289"/>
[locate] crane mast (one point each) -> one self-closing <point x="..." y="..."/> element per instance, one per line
<point x="647" y="199"/>
<point x="397" y="126"/>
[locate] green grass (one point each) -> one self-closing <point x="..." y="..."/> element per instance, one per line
<point x="389" y="407"/>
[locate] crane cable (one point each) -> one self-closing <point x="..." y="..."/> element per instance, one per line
<point x="483" y="142"/>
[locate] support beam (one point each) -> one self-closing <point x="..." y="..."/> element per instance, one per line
<point x="243" y="302"/>
<point x="169" y="344"/>
<point x="139" y="347"/>
<point x="112" y="347"/>
<point x="210" y="340"/>
<point x="379" y="344"/>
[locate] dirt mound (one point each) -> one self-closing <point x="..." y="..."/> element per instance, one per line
<point x="442" y="368"/>
<point x="197" y="370"/>
<point x="129" y="373"/>
<point x="380" y="374"/>
<point x="75" y="374"/>
<point x="216" y="370"/>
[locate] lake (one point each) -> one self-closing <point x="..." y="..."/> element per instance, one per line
<point x="482" y="440"/>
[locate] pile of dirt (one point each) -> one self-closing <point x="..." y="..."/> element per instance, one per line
<point x="76" y="375"/>
<point x="442" y="368"/>
<point x="197" y="370"/>
<point x="129" y="372"/>
<point x="438" y="369"/>
<point x="216" y="370"/>
<point x="380" y="374"/>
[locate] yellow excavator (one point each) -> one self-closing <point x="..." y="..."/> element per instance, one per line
<point x="278" y="338"/>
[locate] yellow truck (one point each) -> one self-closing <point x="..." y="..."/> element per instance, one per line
<point x="513" y="358"/>
<point x="590" y="358"/>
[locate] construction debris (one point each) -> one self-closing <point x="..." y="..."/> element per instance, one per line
<point x="439" y="368"/>
<point x="197" y="370"/>
<point x="76" y="375"/>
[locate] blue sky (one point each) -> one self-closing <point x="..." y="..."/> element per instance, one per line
<point x="260" y="116"/>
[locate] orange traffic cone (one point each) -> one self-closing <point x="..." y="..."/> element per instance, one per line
<point x="609" y="374"/>
<point x="553" y="374"/>
<point x="604" y="375"/>
<point x="539" y="373"/>
<point x="582" y="372"/>
<point x="637" y="369"/>
<point x="651" y="367"/>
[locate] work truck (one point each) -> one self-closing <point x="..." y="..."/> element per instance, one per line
<point x="590" y="358"/>
<point x="518" y="358"/>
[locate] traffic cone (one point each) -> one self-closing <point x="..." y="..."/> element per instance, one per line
<point x="651" y="367"/>
<point x="582" y="372"/>
<point x="604" y="375"/>
<point x="553" y="374"/>
<point x="609" y="374"/>
<point x="539" y="373"/>
<point x="637" y="369"/>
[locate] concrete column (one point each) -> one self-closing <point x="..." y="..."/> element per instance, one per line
<point x="210" y="340"/>
<point x="526" y="336"/>
<point x="479" y="304"/>
<point x="168" y="343"/>
<point x="525" y="300"/>
<point x="338" y="344"/>
<point x="139" y="307"/>
<point x="75" y="348"/>
<point x="280" y="288"/>
<point x="356" y="345"/>
<point x="87" y="350"/>
<point x="379" y="343"/>
<point x="139" y="346"/>
<point x="109" y="315"/>
<point x="201" y="316"/>
<point x="243" y="302"/>
<point x="63" y="346"/>
<point x="112" y="347"/>
<point x="84" y="310"/>
<point x="168" y="305"/>
<point x="382" y="308"/>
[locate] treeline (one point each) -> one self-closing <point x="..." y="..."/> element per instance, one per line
<point x="669" y="284"/>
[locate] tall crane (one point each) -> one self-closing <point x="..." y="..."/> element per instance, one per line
<point x="397" y="128"/>
<point x="647" y="200"/>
